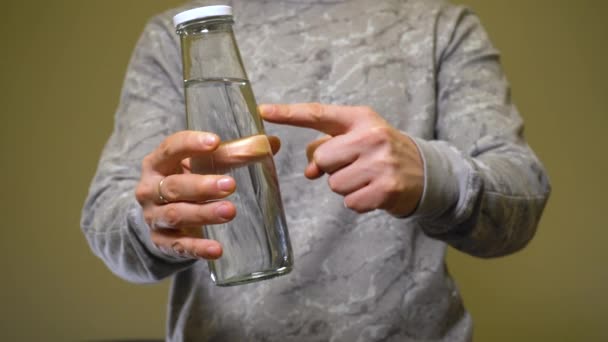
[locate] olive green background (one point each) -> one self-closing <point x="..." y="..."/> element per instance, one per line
<point x="62" y="65"/>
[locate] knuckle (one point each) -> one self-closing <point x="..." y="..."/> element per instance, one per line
<point x="202" y="215"/>
<point x="141" y="192"/>
<point x="172" y="216"/>
<point x="192" y="139"/>
<point x="333" y="183"/>
<point x="379" y="134"/>
<point x="201" y="188"/>
<point x="368" y="138"/>
<point x="391" y="165"/>
<point x="164" y="149"/>
<point x="390" y="187"/>
<point x="365" y="111"/>
<point x="170" y="189"/>
<point x="285" y="110"/>
<point x="146" y="161"/>
<point x="318" y="157"/>
<point x="149" y="218"/>
<point x="347" y="202"/>
<point x="179" y="246"/>
<point x="208" y="189"/>
<point x="317" y="110"/>
<point x="188" y="245"/>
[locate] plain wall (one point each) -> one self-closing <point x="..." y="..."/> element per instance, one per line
<point x="62" y="66"/>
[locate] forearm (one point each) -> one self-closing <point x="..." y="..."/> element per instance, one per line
<point x="485" y="190"/>
<point x="487" y="203"/>
<point x="113" y="225"/>
<point x="151" y="108"/>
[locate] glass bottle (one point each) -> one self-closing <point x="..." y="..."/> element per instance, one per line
<point x="219" y="99"/>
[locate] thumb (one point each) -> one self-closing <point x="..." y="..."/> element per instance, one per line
<point x="312" y="170"/>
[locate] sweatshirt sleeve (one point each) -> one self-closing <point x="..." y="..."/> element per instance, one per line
<point x="485" y="190"/>
<point x="151" y="108"/>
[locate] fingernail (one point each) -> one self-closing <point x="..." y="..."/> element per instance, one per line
<point x="210" y="139"/>
<point x="213" y="250"/>
<point x="345" y="205"/>
<point x="266" y="109"/>
<point x="224" y="211"/>
<point x="225" y="184"/>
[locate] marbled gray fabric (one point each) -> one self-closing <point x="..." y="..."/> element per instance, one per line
<point x="430" y="70"/>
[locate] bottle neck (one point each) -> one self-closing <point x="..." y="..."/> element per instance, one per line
<point x="209" y="50"/>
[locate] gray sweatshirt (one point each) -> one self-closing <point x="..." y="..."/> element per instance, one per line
<point x="430" y="70"/>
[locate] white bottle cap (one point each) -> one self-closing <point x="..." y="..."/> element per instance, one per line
<point x="200" y="13"/>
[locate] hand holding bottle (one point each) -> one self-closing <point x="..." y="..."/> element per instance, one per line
<point x="177" y="202"/>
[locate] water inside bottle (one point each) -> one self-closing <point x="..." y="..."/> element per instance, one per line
<point x="256" y="243"/>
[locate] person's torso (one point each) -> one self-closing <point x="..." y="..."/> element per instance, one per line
<point x="357" y="277"/>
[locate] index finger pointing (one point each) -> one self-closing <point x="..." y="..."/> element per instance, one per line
<point x="176" y="147"/>
<point x="329" y="119"/>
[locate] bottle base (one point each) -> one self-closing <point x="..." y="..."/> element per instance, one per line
<point x="252" y="277"/>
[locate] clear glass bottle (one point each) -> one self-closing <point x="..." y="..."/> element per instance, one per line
<point x="219" y="99"/>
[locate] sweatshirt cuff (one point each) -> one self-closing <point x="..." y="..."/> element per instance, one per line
<point x="446" y="174"/>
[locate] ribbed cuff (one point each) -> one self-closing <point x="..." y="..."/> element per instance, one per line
<point x="445" y="180"/>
